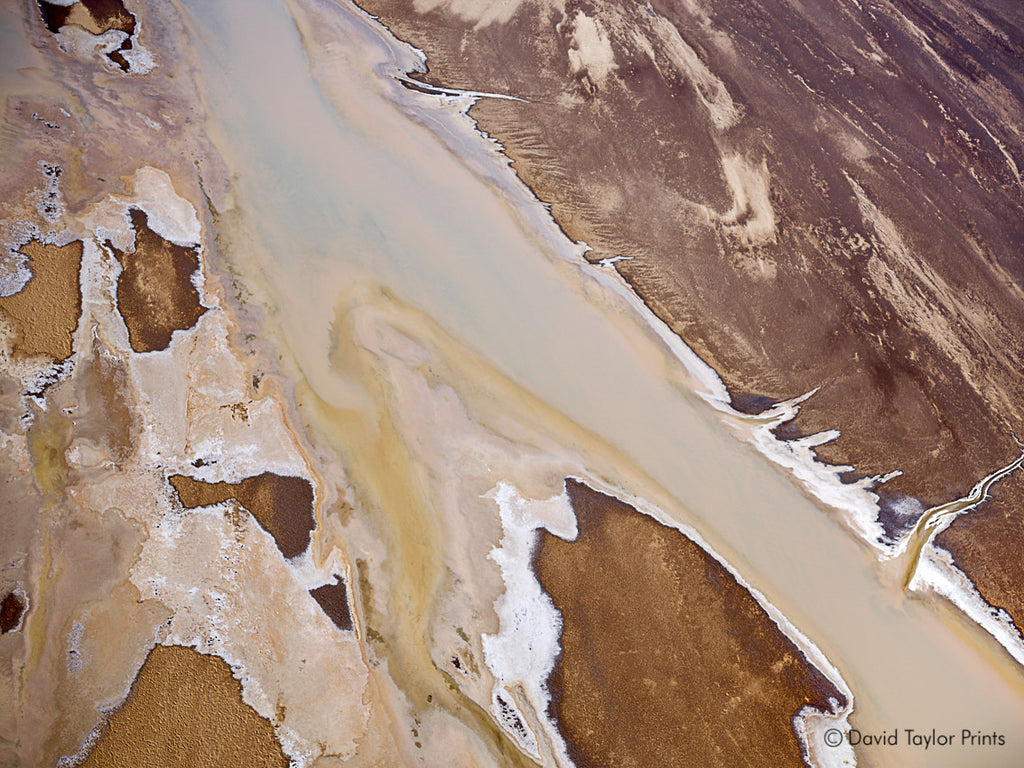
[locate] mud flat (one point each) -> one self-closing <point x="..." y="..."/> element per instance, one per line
<point x="155" y="294"/>
<point x="665" y="658"/>
<point x="333" y="598"/>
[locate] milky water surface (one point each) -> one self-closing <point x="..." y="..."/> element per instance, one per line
<point x="342" y="186"/>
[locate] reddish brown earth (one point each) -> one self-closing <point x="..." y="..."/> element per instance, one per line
<point x="333" y="599"/>
<point x="666" y="659"/>
<point x="155" y="294"/>
<point x="810" y="194"/>
<point x="11" y="610"/>
<point x="282" y="505"/>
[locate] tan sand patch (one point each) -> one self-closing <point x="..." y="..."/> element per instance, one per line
<point x="186" y="709"/>
<point x="45" y="312"/>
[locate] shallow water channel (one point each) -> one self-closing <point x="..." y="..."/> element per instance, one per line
<point x="340" y="186"/>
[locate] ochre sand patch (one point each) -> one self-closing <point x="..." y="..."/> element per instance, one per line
<point x="45" y="312"/>
<point x="155" y="294"/>
<point x="282" y="505"/>
<point x="666" y="659"/>
<point x="186" y="709"/>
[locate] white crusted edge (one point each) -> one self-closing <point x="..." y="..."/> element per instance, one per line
<point x="529" y="621"/>
<point x="937" y="573"/>
<point x="523" y="651"/>
<point x="856" y="500"/>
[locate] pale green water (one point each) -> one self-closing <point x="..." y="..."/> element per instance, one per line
<point x="358" y="191"/>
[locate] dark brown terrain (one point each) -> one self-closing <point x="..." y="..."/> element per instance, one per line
<point x="333" y="599"/>
<point x="155" y="294"/>
<point x="815" y="194"/>
<point x="95" y="16"/>
<point x="11" y="610"/>
<point x="666" y="659"/>
<point x="282" y="505"/>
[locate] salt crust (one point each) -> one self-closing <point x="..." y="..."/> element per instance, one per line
<point x="85" y="46"/>
<point x="937" y="573"/>
<point x="523" y="652"/>
<point x="230" y="591"/>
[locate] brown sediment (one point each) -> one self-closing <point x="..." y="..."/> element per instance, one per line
<point x="186" y="709"/>
<point x="45" y="312"/>
<point x="333" y="599"/>
<point x="11" y="610"/>
<point x="987" y="542"/>
<point x="666" y="659"/>
<point x="283" y="505"/>
<point x="155" y="294"/>
<point x="811" y="196"/>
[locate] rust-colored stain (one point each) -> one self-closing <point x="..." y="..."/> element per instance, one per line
<point x="45" y="312"/>
<point x="333" y="599"/>
<point x="666" y="660"/>
<point x="155" y="294"/>
<point x="282" y="505"/>
<point x="11" y="610"/>
<point x="185" y="710"/>
<point x="95" y="17"/>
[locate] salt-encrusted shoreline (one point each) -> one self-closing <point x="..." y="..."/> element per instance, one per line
<point x="936" y="573"/>
<point x="525" y="649"/>
<point x="447" y="115"/>
<point x="856" y="501"/>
